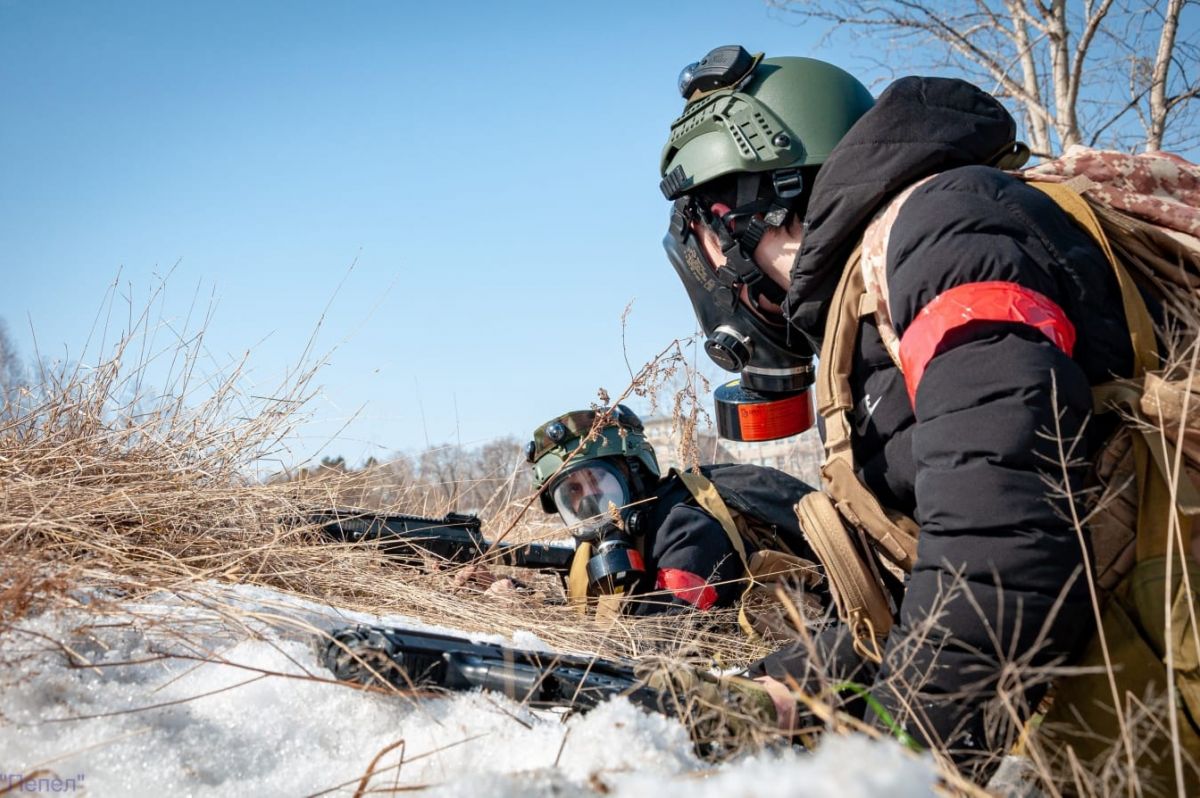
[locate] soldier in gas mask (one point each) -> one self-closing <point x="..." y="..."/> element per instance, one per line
<point x="948" y="383"/>
<point x="654" y="542"/>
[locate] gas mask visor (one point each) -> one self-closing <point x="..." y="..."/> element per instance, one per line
<point x="771" y="399"/>
<point x="588" y="495"/>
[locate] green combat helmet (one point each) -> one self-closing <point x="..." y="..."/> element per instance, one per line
<point x="565" y="437"/>
<point x="740" y="160"/>
<point x="746" y="113"/>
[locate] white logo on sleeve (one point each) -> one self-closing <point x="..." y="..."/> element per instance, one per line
<point x="870" y="406"/>
<point x="863" y="412"/>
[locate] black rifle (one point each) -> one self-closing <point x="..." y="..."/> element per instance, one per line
<point x="421" y="661"/>
<point x="456" y="537"/>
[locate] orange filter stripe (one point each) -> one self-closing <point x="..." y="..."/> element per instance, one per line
<point x="635" y="560"/>
<point x="769" y="421"/>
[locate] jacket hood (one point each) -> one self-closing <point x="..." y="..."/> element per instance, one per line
<point x="917" y="127"/>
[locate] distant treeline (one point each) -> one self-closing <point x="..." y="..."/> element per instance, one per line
<point x="482" y="479"/>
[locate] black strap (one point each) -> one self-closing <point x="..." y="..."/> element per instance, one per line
<point x="740" y="269"/>
<point x="740" y="231"/>
<point x="747" y="188"/>
<point x="682" y="215"/>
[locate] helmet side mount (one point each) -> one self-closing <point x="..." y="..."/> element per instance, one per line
<point x="675" y="184"/>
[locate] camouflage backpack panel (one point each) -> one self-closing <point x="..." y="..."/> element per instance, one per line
<point x="1157" y="188"/>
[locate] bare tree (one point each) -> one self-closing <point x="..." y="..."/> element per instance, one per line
<point x="445" y="471"/>
<point x="12" y="373"/>
<point x="1114" y="73"/>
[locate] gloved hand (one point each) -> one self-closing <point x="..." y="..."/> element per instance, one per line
<point x="721" y="712"/>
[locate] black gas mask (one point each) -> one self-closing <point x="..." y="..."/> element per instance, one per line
<point x="771" y="399"/>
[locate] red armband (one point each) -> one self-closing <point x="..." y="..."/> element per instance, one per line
<point x="687" y="586"/>
<point x="986" y="301"/>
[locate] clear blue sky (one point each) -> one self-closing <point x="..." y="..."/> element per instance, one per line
<point x="490" y="169"/>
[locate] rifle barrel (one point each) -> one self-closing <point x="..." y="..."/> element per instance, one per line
<point x="413" y="659"/>
<point x="455" y="537"/>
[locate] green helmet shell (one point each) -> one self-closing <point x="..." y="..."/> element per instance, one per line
<point x="791" y="113"/>
<point x="623" y="436"/>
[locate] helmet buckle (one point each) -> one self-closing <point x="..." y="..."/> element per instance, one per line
<point x="776" y="216"/>
<point x="788" y="183"/>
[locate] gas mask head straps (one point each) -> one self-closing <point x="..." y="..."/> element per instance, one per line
<point x="741" y="229"/>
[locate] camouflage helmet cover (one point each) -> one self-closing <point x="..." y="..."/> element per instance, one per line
<point x="567" y="436"/>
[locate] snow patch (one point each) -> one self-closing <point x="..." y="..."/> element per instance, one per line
<point x="260" y="720"/>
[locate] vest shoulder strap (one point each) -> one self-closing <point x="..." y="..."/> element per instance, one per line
<point x="895" y="535"/>
<point x="1141" y="327"/>
<point x="709" y="499"/>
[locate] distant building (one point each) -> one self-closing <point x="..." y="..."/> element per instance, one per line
<point x="665" y="438"/>
<point x="800" y="455"/>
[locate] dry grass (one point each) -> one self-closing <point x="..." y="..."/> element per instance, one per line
<point x="117" y="483"/>
<point x="115" y="490"/>
<point x="110" y="485"/>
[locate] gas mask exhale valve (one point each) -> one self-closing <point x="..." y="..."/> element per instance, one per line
<point x="771" y="398"/>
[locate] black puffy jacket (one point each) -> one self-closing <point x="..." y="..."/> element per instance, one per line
<point x="997" y="592"/>
<point x="690" y="561"/>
